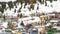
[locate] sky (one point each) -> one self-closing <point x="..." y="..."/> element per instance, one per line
<point x="7" y="0"/>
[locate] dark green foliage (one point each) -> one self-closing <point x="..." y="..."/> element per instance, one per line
<point x="22" y="23"/>
<point x="1" y="10"/>
<point x="55" y="0"/>
<point x="0" y="16"/>
<point x="20" y="15"/>
<point x="14" y="3"/>
<point x="32" y="6"/>
<point x="3" y="5"/>
<point x="33" y="1"/>
<point x="20" y="1"/>
<point x="45" y="3"/>
<point x="58" y="24"/>
<point x="27" y="1"/>
<point x="39" y="1"/>
<point x="4" y="17"/>
<point x="8" y="30"/>
<point x="42" y="2"/>
<point x="51" y="30"/>
<point x="10" y="4"/>
<point x="51" y="1"/>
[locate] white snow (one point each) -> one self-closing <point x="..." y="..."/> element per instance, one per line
<point x="36" y="19"/>
<point x="28" y="20"/>
<point x="48" y="24"/>
<point x="57" y="27"/>
<point x="54" y="20"/>
<point x="4" y="24"/>
<point x="42" y="8"/>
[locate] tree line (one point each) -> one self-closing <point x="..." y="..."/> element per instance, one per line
<point x="11" y="4"/>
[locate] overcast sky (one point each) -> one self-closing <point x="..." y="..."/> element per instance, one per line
<point x="7" y="0"/>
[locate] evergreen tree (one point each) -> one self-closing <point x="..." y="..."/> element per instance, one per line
<point x="22" y="23"/>
<point x="10" y="4"/>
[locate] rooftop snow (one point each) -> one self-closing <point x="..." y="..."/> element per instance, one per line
<point x="54" y="20"/>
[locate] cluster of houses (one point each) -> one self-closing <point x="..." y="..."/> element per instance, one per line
<point x="16" y="24"/>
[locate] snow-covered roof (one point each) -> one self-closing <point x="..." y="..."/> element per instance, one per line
<point x="39" y="26"/>
<point x="50" y="14"/>
<point x="43" y="16"/>
<point x="54" y="20"/>
<point x="47" y="15"/>
<point x="28" y="20"/>
<point x="57" y="27"/>
<point x="48" y="24"/>
<point x="4" y="24"/>
<point x="34" y="29"/>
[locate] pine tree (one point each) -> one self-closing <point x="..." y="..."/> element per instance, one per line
<point x="22" y="23"/>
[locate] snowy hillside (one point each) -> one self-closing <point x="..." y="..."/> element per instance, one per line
<point x="26" y="10"/>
